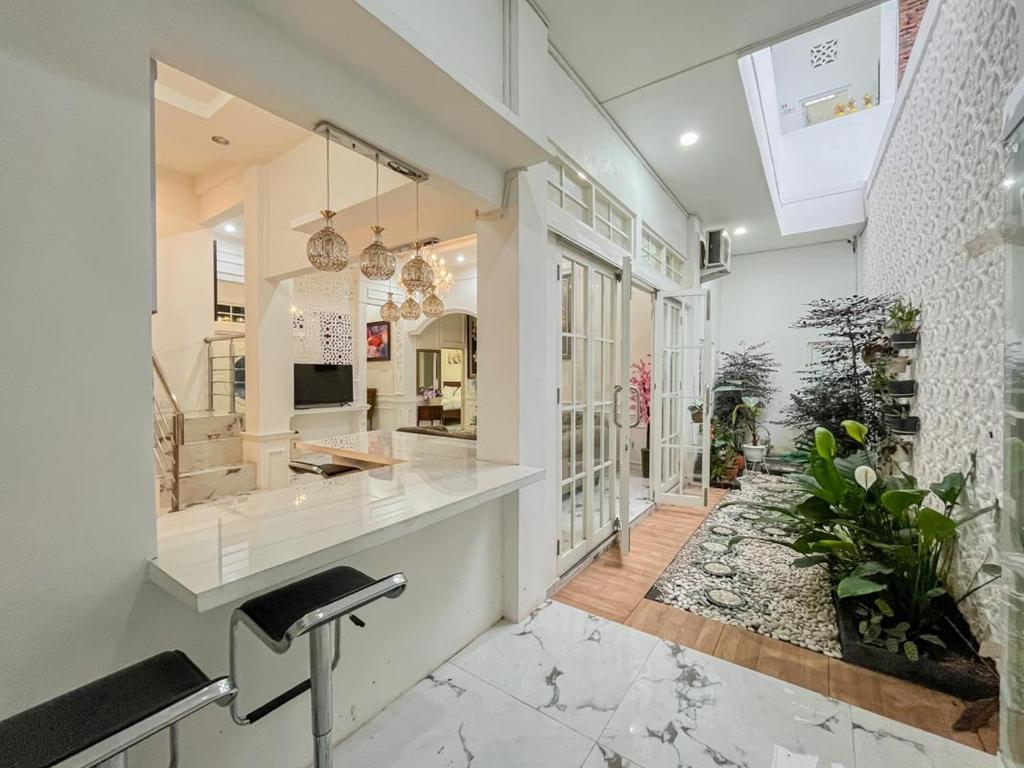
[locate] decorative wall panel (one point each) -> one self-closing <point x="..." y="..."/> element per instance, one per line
<point x="322" y="318"/>
<point x="938" y="189"/>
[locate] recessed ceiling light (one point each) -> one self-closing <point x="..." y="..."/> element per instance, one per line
<point x="229" y="227"/>
<point x="460" y="258"/>
<point x="688" y="139"/>
<point x="1008" y="182"/>
<point x="740" y="231"/>
<point x="223" y="141"/>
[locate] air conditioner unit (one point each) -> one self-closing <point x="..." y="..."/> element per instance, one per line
<point x="715" y="255"/>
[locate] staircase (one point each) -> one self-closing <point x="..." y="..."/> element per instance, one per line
<point x="198" y="455"/>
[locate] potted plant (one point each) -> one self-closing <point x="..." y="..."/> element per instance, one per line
<point x="902" y="388"/>
<point x="640" y="377"/>
<point x="888" y="553"/>
<point x="697" y="413"/>
<point x="745" y="419"/>
<point x="903" y="324"/>
<point x="901" y="423"/>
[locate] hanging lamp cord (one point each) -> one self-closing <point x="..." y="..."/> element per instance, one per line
<point x="327" y="135"/>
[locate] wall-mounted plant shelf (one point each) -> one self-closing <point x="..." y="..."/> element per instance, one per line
<point x="903" y="425"/>
<point x="900" y="388"/>
<point x="904" y="340"/>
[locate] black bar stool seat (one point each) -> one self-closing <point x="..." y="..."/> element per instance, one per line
<point x="314" y="606"/>
<point x="276" y="612"/>
<point x="103" y="718"/>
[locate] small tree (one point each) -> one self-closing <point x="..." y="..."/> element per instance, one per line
<point x="747" y="372"/>
<point x="839" y="387"/>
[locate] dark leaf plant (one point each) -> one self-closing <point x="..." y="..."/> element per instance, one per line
<point x="882" y="543"/>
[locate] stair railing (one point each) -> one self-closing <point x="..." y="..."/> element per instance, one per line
<point x="224" y="375"/>
<point x="168" y="433"/>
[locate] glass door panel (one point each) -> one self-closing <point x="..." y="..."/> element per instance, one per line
<point x="680" y="398"/>
<point x="588" y="489"/>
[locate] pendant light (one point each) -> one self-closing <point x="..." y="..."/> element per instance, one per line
<point x="417" y="276"/>
<point x="327" y="250"/>
<point x="389" y="310"/>
<point x="432" y="305"/>
<point x="410" y="308"/>
<point x="377" y="262"/>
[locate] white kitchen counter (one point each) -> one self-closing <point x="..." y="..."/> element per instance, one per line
<point x="216" y="553"/>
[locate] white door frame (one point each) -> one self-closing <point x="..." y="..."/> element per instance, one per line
<point x="696" y="336"/>
<point x="597" y="479"/>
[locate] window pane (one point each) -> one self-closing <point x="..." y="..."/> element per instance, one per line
<point x="574" y="209"/>
<point x="554" y="195"/>
<point x="554" y="173"/>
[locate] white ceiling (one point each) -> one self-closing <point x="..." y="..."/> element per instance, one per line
<point x="673" y="68"/>
<point x="189" y="112"/>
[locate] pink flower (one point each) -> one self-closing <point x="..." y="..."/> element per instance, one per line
<point x="641" y="379"/>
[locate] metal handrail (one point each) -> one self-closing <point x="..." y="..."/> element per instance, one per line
<point x="231" y="357"/>
<point x="162" y="430"/>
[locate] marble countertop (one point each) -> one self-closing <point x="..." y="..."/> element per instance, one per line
<point x="212" y="554"/>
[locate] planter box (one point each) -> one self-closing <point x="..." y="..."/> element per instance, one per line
<point x="954" y="670"/>
<point x="904" y="340"/>
<point x="899" y="425"/>
<point x="902" y="387"/>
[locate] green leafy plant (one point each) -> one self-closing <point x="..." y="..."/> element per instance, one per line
<point x="744" y="418"/>
<point x="883" y="546"/>
<point x="747" y="372"/>
<point x="903" y="317"/>
<point x="723" y="452"/>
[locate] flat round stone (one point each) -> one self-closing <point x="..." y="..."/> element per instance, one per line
<point x="715" y="568"/>
<point x="778" y="532"/>
<point x="722" y="530"/>
<point x="724" y="598"/>
<point x="714" y="547"/>
<point x="750" y="515"/>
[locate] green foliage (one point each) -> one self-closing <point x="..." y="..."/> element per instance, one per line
<point x="747" y="372"/>
<point x="903" y="317"/>
<point x="744" y="419"/>
<point x="883" y="546"/>
<point x="840" y="386"/>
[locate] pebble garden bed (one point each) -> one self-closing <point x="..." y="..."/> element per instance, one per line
<point x="752" y="585"/>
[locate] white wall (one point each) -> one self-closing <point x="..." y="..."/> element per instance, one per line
<point x="924" y="209"/>
<point x="856" y="66"/>
<point x="765" y="295"/>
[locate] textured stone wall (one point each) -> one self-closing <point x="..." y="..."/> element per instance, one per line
<point x="935" y="197"/>
<point x="911" y="13"/>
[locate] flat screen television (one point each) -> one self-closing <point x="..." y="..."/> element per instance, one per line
<point x="321" y="385"/>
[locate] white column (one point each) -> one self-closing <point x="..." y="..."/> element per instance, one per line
<point x="268" y="348"/>
<point x="517" y="331"/>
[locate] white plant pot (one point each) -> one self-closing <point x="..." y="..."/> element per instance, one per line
<point x="754" y="454"/>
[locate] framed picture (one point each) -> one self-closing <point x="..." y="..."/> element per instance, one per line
<point x="378" y="341"/>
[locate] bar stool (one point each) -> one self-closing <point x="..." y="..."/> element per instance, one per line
<point x="312" y="606"/>
<point x="96" y="724"/>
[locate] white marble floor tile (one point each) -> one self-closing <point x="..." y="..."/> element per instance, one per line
<point x="604" y="757"/>
<point x="880" y="743"/>
<point x="568" y="664"/>
<point x="453" y="720"/>
<point x="690" y="710"/>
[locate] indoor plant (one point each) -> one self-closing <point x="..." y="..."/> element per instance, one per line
<point x="888" y="554"/>
<point x="746" y="372"/>
<point x="903" y="324"/>
<point x="640" y="377"/>
<point x="697" y="413"/>
<point x="745" y="419"/>
<point x="840" y="385"/>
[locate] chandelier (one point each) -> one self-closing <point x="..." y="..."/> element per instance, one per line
<point x="420" y="279"/>
<point x="327" y="250"/>
<point x="389" y="310"/>
<point x="443" y="279"/>
<point x="377" y="262"/>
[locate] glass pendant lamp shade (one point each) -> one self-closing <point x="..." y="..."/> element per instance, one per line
<point x="377" y="262"/>
<point x="417" y="276"/>
<point x="433" y="306"/>
<point x="389" y="310"/>
<point x="327" y="250"/>
<point x="410" y="309"/>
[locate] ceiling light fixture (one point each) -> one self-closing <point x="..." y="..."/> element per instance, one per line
<point x="222" y="140"/>
<point x="377" y="262"/>
<point x="1008" y="182"/>
<point x="740" y="231"/>
<point x="688" y="139"/>
<point x="460" y="258"/>
<point x="389" y="310"/>
<point x="417" y="276"/>
<point x="327" y="250"/>
<point x="230" y="228"/>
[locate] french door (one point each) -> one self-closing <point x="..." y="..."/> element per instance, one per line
<point x="591" y="407"/>
<point x="681" y="399"/>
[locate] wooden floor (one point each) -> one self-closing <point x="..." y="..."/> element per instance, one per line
<point x="614" y="588"/>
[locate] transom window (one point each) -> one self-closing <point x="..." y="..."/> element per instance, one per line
<point x="662" y="257"/>
<point x="613" y="222"/>
<point x="570" y="191"/>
